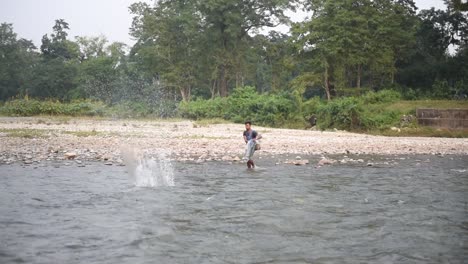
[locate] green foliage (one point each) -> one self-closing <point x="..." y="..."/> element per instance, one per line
<point x="360" y="113"/>
<point x="343" y="113"/>
<point x="245" y="104"/>
<point x="310" y="107"/>
<point x="140" y="109"/>
<point x="383" y="96"/>
<point x="441" y="90"/>
<point x="32" y="107"/>
<point x="17" y="59"/>
<point x="202" y="109"/>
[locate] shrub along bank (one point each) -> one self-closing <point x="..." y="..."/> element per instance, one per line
<point x="374" y="112"/>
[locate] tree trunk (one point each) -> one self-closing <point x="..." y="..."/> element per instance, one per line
<point x="327" y="83"/>
<point x="393" y="72"/>
<point x="223" y="88"/>
<point x="358" y="83"/>
<point x="185" y="92"/>
<point x="213" y="89"/>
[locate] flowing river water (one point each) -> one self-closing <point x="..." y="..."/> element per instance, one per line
<point x="403" y="209"/>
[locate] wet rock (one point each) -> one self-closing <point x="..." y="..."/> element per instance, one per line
<point x="236" y="158"/>
<point x="370" y="164"/>
<point x="70" y="155"/>
<point x="297" y="162"/>
<point x="325" y="161"/>
<point x="301" y="162"/>
<point x="106" y="157"/>
<point x="108" y="163"/>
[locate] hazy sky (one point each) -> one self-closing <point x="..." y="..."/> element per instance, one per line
<point x="32" y="19"/>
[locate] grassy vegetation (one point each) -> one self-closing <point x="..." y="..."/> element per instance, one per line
<point x="200" y="137"/>
<point x="373" y="112"/>
<point x="26" y="133"/>
<point x="208" y="122"/>
<point x="33" y="107"/>
<point x="83" y="133"/>
<point x="422" y="132"/>
<point x="411" y="106"/>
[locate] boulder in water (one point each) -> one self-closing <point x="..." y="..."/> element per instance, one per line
<point x="325" y="161"/>
<point x="297" y="162"/>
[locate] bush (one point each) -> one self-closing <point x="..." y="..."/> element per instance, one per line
<point x="201" y="108"/>
<point x="441" y="90"/>
<point x="343" y="113"/>
<point x="245" y="104"/>
<point x="31" y="107"/>
<point x="383" y="96"/>
<point x="310" y="107"/>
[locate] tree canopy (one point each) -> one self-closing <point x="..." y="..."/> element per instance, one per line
<point x="206" y="49"/>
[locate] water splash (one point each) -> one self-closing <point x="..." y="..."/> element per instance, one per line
<point x="149" y="172"/>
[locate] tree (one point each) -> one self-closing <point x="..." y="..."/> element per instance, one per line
<point x="169" y="42"/>
<point x="228" y="24"/>
<point x="459" y="5"/>
<point x="102" y="72"/>
<point x="91" y="47"/>
<point x="17" y="59"/>
<point x="56" y="74"/>
<point x="58" y="45"/>
<point x="175" y="34"/>
<point x="344" y="38"/>
<point x="430" y="61"/>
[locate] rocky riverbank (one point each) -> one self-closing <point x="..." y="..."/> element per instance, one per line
<point x="39" y="139"/>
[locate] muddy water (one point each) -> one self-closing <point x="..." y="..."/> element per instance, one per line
<point x="400" y="210"/>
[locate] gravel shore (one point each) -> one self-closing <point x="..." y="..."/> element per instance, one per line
<point x="37" y="139"/>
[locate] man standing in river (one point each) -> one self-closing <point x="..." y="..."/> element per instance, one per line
<point x="250" y="137"/>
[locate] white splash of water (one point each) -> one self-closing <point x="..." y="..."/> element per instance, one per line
<point x="149" y="172"/>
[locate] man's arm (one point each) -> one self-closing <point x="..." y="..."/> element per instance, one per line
<point x="256" y="136"/>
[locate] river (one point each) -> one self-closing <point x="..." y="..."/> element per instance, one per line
<point x="403" y="209"/>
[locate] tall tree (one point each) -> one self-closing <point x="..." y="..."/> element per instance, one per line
<point x="169" y="42"/>
<point x="440" y="33"/>
<point x="175" y="34"/>
<point x="228" y="24"/>
<point x="350" y="36"/>
<point x="56" y="75"/>
<point x="17" y="59"/>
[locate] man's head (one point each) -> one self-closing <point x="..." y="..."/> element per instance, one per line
<point x="248" y="124"/>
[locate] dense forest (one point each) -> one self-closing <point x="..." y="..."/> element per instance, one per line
<point x="190" y="51"/>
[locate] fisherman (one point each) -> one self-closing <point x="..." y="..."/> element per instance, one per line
<point x="250" y="137"/>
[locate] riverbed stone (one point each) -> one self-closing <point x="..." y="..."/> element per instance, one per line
<point x="70" y="155"/>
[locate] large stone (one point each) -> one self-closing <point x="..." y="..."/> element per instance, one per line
<point x="297" y="162"/>
<point x="325" y="161"/>
<point x="70" y="155"/>
<point x="106" y="157"/>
